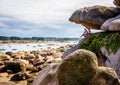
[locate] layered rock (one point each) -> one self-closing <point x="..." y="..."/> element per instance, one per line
<point x="79" y="68"/>
<point x="93" y="17"/>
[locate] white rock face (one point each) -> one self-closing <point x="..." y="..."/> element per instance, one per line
<point x="112" y="24"/>
<point x="113" y="60"/>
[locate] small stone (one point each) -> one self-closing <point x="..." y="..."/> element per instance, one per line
<point x="20" y="76"/>
<point x="5" y="74"/>
<point x="15" y="66"/>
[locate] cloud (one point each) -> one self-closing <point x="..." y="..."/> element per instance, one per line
<point x="45" y="15"/>
<point x="44" y="11"/>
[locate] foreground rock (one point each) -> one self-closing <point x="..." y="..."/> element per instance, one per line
<point x="79" y="68"/>
<point x="93" y="17"/>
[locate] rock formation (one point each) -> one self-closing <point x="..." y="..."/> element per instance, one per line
<point x="106" y="46"/>
<point x="79" y="68"/>
<point x="93" y="17"/>
<point x="103" y="18"/>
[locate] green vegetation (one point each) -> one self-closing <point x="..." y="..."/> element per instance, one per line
<point x="94" y="42"/>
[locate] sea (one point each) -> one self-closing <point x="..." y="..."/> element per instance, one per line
<point x="15" y="47"/>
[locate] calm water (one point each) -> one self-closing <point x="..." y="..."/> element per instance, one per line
<point x="32" y="46"/>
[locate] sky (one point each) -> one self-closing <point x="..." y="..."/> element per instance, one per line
<point x="42" y="18"/>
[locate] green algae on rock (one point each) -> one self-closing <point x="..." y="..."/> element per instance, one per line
<point x="110" y="40"/>
<point x="78" y="68"/>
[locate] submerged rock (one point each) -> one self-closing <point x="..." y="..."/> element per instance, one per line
<point x="93" y="17"/>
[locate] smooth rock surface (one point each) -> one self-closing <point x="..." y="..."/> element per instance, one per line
<point x="112" y="24"/>
<point x="93" y="17"/>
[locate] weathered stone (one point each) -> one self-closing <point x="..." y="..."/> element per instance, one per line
<point x="93" y="17"/>
<point x="15" y="66"/>
<point x="112" y="24"/>
<point x="81" y="68"/>
<point x="78" y="68"/>
<point x="38" y="60"/>
<point x="49" y="59"/>
<point x="18" y="55"/>
<point x="9" y="53"/>
<point x="20" y="76"/>
<point x="4" y="57"/>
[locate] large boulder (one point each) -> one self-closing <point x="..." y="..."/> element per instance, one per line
<point x="78" y="68"/>
<point x="93" y="17"/>
<point x="81" y="68"/>
<point x="112" y="24"/>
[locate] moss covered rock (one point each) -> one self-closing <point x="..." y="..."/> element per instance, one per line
<point x="79" y="68"/>
<point x="96" y="41"/>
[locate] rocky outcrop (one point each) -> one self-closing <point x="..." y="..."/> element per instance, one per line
<point x="103" y="18"/>
<point x="105" y="45"/>
<point x="78" y="68"/>
<point x="93" y="17"/>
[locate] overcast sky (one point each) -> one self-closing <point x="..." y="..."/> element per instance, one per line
<point x="27" y="18"/>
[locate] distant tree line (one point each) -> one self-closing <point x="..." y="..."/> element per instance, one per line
<point x="37" y="38"/>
